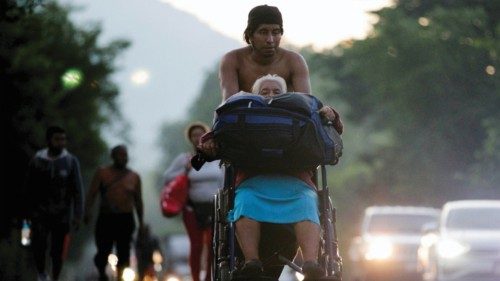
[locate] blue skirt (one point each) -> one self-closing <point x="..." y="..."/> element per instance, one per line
<point x="275" y="199"/>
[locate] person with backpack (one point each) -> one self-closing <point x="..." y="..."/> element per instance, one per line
<point x="54" y="199"/>
<point x="120" y="192"/>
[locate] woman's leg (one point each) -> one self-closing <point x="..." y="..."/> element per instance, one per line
<point x="308" y="234"/>
<point x="248" y="233"/>
<point x="196" y="242"/>
<point x="208" y="235"/>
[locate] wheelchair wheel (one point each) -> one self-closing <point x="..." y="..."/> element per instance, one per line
<point x="329" y="256"/>
<point x="220" y="264"/>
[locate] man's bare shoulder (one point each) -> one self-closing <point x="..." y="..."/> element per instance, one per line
<point x="102" y="169"/>
<point x="236" y="54"/>
<point x="135" y="175"/>
<point x="293" y="56"/>
<point x="239" y="51"/>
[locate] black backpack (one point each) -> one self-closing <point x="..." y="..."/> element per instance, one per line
<point x="283" y="132"/>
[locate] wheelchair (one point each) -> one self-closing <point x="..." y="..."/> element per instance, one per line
<point x="274" y="256"/>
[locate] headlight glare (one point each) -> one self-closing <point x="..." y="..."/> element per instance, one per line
<point x="450" y="249"/>
<point x="379" y="248"/>
<point x="128" y="274"/>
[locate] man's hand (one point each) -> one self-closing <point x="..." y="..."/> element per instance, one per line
<point x="328" y="113"/>
<point x="208" y="148"/>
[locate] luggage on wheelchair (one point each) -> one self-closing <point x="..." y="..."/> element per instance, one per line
<point x="283" y="131"/>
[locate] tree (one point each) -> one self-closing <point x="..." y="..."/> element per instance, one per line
<point x="53" y="72"/>
<point x="425" y="76"/>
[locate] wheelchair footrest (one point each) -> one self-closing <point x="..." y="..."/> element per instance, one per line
<point x="261" y="278"/>
<point x="327" y="278"/>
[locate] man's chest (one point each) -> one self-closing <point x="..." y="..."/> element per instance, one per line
<point x="248" y="73"/>
<point x="118" y="181"/>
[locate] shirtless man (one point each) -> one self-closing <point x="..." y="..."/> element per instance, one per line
<point x="240" y="68"/>
<point x="120" y="191"/>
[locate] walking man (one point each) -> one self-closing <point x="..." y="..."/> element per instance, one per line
<point x="53" y="192"/>
<point x="120" y="192"/>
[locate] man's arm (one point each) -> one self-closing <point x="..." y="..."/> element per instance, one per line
<point x="302" y="84"/>
<point x="139" y="206"/>
<point x="228" y="75"/>
<point x="300" y="74"/>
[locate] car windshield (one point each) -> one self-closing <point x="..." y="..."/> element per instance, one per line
<point x="399" y="223"/>
<point x="474" y="218"/>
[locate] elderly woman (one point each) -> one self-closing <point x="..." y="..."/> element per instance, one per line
<point x="278" y="199"/>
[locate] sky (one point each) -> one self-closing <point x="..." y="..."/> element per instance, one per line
<point x="320" y="23"/>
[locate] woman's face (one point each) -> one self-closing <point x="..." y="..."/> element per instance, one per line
<point x="196" y="134"/>
<point x="270" y="88"/>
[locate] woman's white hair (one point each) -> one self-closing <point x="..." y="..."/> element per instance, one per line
<point x="270" y="77"/>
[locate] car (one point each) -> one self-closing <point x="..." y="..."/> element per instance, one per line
<point x="176" y="249"/>
<point x="465" y="245"/>
<point x="386" y="248"/>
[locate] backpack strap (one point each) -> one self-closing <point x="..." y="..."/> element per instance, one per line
<point x="105" y="188"/>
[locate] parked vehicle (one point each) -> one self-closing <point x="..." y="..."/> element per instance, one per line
<point x="176" y="249"/>
<point x="465" y="246"/>
<point x="386" y="248"/>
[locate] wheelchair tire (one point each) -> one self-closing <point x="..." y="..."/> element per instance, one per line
<point x="220" y="267"/>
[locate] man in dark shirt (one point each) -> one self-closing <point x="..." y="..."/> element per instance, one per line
<point x="54" y="197"/>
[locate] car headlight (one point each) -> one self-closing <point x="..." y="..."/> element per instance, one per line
<point x="428" y="240"/>
<point x="128" y="274"/>
<point x="450" y="249"/>
<point x="172" y="278"/>
<point x="379" y="248"/>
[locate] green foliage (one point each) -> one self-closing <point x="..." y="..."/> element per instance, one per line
<point x="38" y="45"/>
<point x="172" y="140"/>
<point x="421" y="78"/>
<point x="208" y="99"/>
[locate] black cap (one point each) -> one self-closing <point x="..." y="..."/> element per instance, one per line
<point x="262" y="14"/>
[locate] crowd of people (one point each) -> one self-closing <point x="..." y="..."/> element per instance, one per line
<point x="58" y="204"/>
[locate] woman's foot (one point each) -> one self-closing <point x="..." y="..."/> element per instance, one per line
<point x="252" y="268"/>
<point x="312" y="270"/>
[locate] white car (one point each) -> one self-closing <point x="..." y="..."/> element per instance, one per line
<point x="386" y="248"/>
<point x="465" y="246"/>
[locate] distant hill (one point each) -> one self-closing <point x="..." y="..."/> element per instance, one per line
<point x="175" y="47"/>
